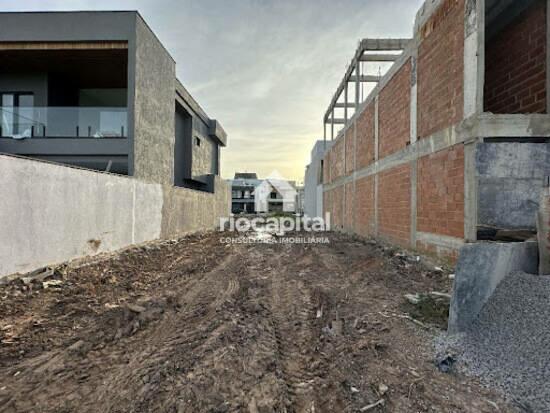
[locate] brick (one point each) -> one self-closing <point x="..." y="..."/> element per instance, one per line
<point x="440" y="193"/>
<point x="516" y="63"/>
<point x="394" y="113"/>
<point x="364" y="206"/>
<point x="441" y="69"/>
<point x="394" y="205"/>
<point x="365" y="137"/>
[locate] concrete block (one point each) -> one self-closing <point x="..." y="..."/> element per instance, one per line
<point x="543" y="232"/>
<point x="481" y="267"/>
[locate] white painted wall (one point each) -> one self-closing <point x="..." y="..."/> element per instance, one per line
<point x="49" y="213"/>
<point x="313" y="192"/>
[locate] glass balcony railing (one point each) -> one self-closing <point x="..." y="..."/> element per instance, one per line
<point x="63" y="122"/>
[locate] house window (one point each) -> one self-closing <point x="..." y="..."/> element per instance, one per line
<point x="17" y="113"/>
<point x="273" y="195"/>
<point x="197" y="141"/>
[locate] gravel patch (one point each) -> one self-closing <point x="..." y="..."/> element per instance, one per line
<point x="508" y="345"/>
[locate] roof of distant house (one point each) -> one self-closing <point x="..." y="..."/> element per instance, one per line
<point x="245" y="175"/>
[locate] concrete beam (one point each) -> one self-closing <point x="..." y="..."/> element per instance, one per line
<point x="547" y="56"/>
<point x="364" y="78"/>
<point x="343" y="105"/>
<point x="379" y="58"/>
<point x="366" y="44"/>
<point x="384" y="44"/>
<point x="467" y="131"/>
<point x="97" y="45"/>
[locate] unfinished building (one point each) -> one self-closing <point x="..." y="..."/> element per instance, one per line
<point x="452" y="143"/>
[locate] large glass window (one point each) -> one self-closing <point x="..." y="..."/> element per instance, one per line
<point x="17" y="114"/>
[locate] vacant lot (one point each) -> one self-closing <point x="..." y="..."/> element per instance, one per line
<point x="199" y="326"/>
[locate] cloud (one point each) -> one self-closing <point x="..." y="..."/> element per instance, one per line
<point x="265" y="69"/>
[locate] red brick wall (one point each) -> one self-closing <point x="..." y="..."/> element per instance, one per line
<point x="394" y="111"/>
<point x="394" y="204"/>
<point x="441" y="69"/>
<point x="350" y="148"/>
<point x="348" y="216"/>
<point x="364" y="206"/>
<point x="515" y="76"/>
<point x="440" y="193"/>
<point x="365" y="137"/>
<point x="337" y="205"/>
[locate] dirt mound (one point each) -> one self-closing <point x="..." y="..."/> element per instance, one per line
<point x="199" y="326"/>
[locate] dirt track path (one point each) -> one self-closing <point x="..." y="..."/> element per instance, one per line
<point x="198" y="326"/>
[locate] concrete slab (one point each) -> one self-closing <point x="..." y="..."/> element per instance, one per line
<point x="480" y="268"/>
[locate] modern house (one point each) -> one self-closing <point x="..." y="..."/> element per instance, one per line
<point x="98" y="90"/>
<point x="101" y="146"/>
<point x="242" y="192"/>
<point x="251" y="195"/>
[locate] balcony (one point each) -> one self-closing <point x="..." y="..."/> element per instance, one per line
<point x="63" y="122"/>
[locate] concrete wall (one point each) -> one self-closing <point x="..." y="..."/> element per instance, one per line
<point x="51" y="213"/>
<point x="155" y="86"/>
<point x="510" y="178"/>
<point x="313" y="187"/>
<point x="480" y="268"/>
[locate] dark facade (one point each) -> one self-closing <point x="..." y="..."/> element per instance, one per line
<point x="242" y="192"/>
<point x="98" y="90"/>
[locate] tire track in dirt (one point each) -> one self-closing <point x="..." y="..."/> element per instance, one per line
<point x="292" y="315"/>
<point x="181" y="325"/>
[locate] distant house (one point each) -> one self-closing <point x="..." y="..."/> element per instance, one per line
<point x="242" y="192"/>
<point x="252" y="195"/>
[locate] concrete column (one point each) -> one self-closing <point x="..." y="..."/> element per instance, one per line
<point x="470" y="192"/>
<point x="346" y="104"/>
<point x="376" y="128"/>
<point x="332" y="125"/>
<point x="413" y="139"/>
<point x="414" y="98"/>
<point x="474" y="56"/>
<point x="414" y="180"/>
<point x="376" y="204"/>
<point x="547" y="56"/>
<point x="358" y="85"/>
<point x="354" y="182"/>
<point x="376" y="136"/>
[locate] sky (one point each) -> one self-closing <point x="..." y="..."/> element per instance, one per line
<point x="266" y="69"/>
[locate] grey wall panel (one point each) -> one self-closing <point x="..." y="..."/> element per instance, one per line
<point x="510" y="180"/>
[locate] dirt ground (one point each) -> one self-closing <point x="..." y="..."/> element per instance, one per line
<point x="199" y="326"/>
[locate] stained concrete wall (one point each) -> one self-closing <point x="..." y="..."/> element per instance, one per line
<point x="51" y="213"/>
<point x="155" y="85"/>
<point x="510" y="182"/>
<point x="313" y="187"/>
